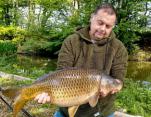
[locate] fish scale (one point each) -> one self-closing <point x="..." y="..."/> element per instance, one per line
<point x="68" y="88"/>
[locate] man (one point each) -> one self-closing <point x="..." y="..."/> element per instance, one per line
<point x="96" y="47"/>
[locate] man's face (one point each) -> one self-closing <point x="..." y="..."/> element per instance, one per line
<point x="101" y="24"/>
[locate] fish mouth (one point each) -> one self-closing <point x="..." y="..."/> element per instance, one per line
<point x="118" y="84"/>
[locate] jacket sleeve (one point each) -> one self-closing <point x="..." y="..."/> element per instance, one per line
<point x="66" y="56"/>
<point x="119" y="66"/>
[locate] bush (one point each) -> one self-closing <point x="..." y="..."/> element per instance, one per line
<point x="10" y="39"/>
<point x="15" y="34"/>
<point x="45" y="43"/>
<point x="7" y="47"/>
<point x="126" y="32"/>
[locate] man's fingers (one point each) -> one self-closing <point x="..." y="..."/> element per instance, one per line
<point x="114" y="91"/>
<point x="118" y="81"/>
<point x="42" y="98"/>
<point x="48" y="99"/>
<point x="103" y="94"/>
<point x="37" y="97"/>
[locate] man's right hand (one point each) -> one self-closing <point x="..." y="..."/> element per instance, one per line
<point x="42" y="98"/>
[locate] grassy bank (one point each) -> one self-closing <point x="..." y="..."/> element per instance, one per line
<point x="135" y="98"/>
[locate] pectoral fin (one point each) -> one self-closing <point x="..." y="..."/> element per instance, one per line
<point x="94" y="100"/>
<point x="72" y="110"/>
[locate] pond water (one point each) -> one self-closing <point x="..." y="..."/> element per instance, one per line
<point x="27" y="66"/>
<point x="139" y="71"/>
<point x="33" y="67"/>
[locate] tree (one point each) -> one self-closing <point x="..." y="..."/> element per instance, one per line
<point x="50" y="21"/>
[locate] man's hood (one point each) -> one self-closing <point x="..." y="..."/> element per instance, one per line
<point x="84" y="34"/>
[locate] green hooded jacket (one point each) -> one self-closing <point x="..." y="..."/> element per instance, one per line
<point x="108" y="55"/>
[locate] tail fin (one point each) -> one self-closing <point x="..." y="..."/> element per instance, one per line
<point x="24" y="96"/>
<point x="10" y="92"/>
<point x="18" y="105"/>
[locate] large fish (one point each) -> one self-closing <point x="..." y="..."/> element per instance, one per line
<point x="68" y="88"/>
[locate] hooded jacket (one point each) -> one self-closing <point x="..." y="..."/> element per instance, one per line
<point x="108" y="55"/>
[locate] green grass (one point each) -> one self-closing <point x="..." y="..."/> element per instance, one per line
<point x="135" y="98"/>
<point x="5" y="82"/>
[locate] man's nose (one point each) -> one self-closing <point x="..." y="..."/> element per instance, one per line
<point x="103" y="27"/>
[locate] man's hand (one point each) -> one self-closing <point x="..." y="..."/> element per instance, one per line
<point x="42" y="98"/>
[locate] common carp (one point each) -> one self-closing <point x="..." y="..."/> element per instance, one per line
<point x="68" y="88"/>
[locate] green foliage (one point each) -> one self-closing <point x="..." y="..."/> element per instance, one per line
<point x="129" y="23"/>
<point x="126" y="32"/>
<point x="41" y="45"/>
<point x="15" y="34"/>
<point x="52" y="21"/>
<point x="7" y="48"/>
<point x="135" y="98"/>
<point x="10" y="38"/>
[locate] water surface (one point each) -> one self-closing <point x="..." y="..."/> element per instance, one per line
<point x="27" y="66"/>
<point x="139" y="71"/>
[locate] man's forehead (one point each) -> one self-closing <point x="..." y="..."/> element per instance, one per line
<point x="103" y="12"/>
<point x="108" y="11"/>
<point x="102" y="15"/>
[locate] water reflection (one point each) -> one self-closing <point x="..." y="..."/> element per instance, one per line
<point x="139" y="71"/>
<point x="27" y="66"/>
